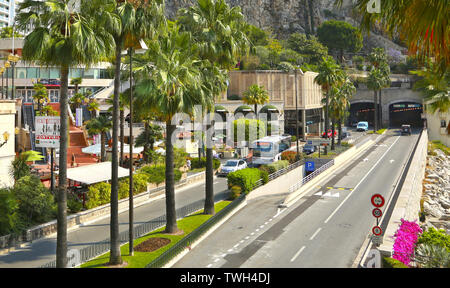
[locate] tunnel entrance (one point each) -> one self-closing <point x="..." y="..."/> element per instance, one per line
<point x="361" y="112"/>
<point x="405" y="113"/>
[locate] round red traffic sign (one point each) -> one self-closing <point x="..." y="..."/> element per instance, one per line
<point x="376" y="230"/>
<point x="377" y="200"/>
<point x="377" y="213"/>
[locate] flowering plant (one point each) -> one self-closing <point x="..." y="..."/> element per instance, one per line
<point x="405" y="241"/>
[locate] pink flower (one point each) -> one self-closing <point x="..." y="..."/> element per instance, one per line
<point x="405" y="241"/>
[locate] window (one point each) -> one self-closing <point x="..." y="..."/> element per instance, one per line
<point x="32" y="73"/>
<point x="91" y="74"/>
<point x="21" y="73"/>
<point x="54" y="73"/>
<point x="443" y="124"/>
<point x="44" y="73"/>
<point x="75" y="73"/>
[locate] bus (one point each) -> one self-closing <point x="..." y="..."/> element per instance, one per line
<point x="268" y="149"/>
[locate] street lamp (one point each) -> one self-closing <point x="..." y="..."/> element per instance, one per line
<point x="139" y="48"/>
<point x="5" y="138"/>
<point x="13" y="59"/>
<point x="7" y="65"/>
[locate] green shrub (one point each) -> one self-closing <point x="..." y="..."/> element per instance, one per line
<point x="235" y="192"/>
<point x="8" y="211"/>
<point x="264" y="177"/>
<point x="392" y="263"/>
<point x="435" y="237"/>
<point x="245" y="178"/>
<point x="98" y="194"/>
<point x="36" y="203"/>
<point x="196" y="163"/>
<point x="140" y="181"/>
<point x="74" y="204"/>
<point x="157" y="174"/>
<point x="278" y="165"/>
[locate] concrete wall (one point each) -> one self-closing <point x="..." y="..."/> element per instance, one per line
<point x="435" y="131"/>
<point x="7" y="153"/>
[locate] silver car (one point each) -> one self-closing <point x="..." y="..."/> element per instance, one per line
<point x="231" y="166"/>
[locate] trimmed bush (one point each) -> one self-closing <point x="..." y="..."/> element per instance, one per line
<point x="245" y="178"/>
<point x="196" y="163"/>
<point x="157" y="174"/>
<point x="290" y="156"/>
<point x="278" y="165"/>
<point x="140" y="181"/>
<point x="98" y="194"/>
<point x="235" y="192"/>
<point x="74" y="204"/>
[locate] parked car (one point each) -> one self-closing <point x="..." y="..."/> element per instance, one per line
<point x="344" y="134"/>
<point x="309" y="149"/>
<point x="232" y="166"/>
<point x="362" y="126"/>
<point x="329" y="134"/>
<point x="406" y="129"/>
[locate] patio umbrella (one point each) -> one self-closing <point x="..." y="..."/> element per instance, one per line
<point x="93" y="149"/>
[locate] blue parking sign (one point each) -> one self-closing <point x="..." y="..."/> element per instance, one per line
<point x="309" y="166"/>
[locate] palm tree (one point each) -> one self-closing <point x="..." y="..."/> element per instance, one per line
<point x="127" y="22"/>
<point x="256" y="95"/>
<point x="148" y="137"/>
<point x="100" y="125"/>
<point x="219" y="32"/>
<point x="423" y="25"/>
<point x="329" y="75"/>
<point x="375" y="81"/>
<point x="40" y="95"/>
<point x="345" y="92"/>
<point x="77" y="100"/>
<point x="124" y="101"/>
<point x="63" y="39"/>
<point x="76" y="82"/>
<point x="93" y="106"/>
<point x="173" y="86"/>
<point x="378" y="59"/>
<point x="435" y="88"/>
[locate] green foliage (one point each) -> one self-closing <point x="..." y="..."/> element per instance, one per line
<point x="179" y="157"/>
<point x="311" y="50"/>
<point x="392" y="263"/>
<point x="157" y="174"/>
<point x="140" y="181"/>
<point x="196" y="163"/>
<point x="245" y="178"/>
<point x="286" y="66"/>
<point x="275" y="166"/>
<point x="235" y="192"/>
<point x="7" y="32"/>
<point x="8" y="211"/>
<point x="435" y="237"/>
<point x="430" y="255"/>
<point x="257" y="36"/>
<point x="36" y="203"/>
<point x="74" y="204"/>
<point x="98" y="194"/>
<point x="340" y="36"/>
<point x="257" y="127"/>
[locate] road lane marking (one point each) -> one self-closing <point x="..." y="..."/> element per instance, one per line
<point x="359" y="183"/>
<point x="315" y="234"/>
<point x="298" y="253"/>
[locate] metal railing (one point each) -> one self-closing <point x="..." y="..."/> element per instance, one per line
<point x="286" y="169"/>
<point x="187" y="241"/>
<point x="308" y="178"/>
<point x="102" y="247"/>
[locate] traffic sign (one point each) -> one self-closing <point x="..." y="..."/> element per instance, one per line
<point x="376" y="230"/>
<point x="317" y="142"/>
<point x="377" y="213"/>
<point x="309" y="165"/>
<point x="377" y="200"/>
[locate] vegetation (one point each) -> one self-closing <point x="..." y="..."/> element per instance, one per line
<point x="201" y="163"/>
<point x="100" y="125"/>
<point x="251" y="129"/>
<point x="436" y="144"/>
<point x="275" y="166"/>
<point x="255" y="95"/>
<point x="246" y="178"/>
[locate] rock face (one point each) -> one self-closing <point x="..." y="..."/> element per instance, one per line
<point x="436" y="187"/>
<point x="284" y="17"/>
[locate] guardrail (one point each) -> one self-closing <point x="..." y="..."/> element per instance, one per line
<point x="280" y="172"/>
<point x="187" y="241"/>
<point x="308" y="178"/>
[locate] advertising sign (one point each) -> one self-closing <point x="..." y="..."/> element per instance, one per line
<point x="47" y="131"/>
<point x="79" y="117"/>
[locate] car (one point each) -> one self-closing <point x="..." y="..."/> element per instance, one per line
<point x="309" y="149"/>
<point x="344" y="134"/>
<point x="406" y="129"/>
<point x="329" y="134"/>
<point x="362" y="126"/>
<point x="232" y="166"/>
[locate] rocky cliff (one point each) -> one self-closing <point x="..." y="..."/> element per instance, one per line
<point x="284" y="17"/>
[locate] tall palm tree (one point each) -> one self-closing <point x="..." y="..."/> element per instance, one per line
<point x="124" y="101"/>
<point x="100" y="125"/>
<point x="127" y="22"/>
<point x="435" y="88"/>
<point x="256" y="95"/>
<point x="378" y="59"/>
<point x="148" y="137"/>
<point x="219" y="31"/>
<point x="375" y="81"/>
<point x="328" y="77"/>
<point x="423" y="25"/>
<point x="40" y="95"/>
<point x="93" y="106"/>
<point x="59" y="37"/>
<point x="76" y="82"/>
<point x="173" y="86"/>
<point x="346" y="91"/>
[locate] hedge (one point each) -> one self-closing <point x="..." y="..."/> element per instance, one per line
<point x="157" y="174"/>
<point x="246" y="178"/>
<point x="196" y="163"/>
<point x="98" y="194"/>
<point x="275" y="166"/>
<point x="290" y="156"/>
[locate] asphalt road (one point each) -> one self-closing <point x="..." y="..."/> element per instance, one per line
<point x="43" y="250"/>
<point x="325" y="228"/>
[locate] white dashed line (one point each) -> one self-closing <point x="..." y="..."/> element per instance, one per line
<point x="315" y="233"/>
<point x="298" y="253"/>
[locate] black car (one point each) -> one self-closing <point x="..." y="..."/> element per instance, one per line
<point x="309" y="149"/>
<point x="406" y="129"/>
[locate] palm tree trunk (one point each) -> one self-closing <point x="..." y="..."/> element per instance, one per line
<point x="339" y="131"/>
<point x="122" y="135"/>
<point x="375" y="112"/>
<point x="326" y="122"/>
<point x="333" y="121"/>
<point x="115" y="258"/>
<point x="209" y="173"/>
<point x="171" y="218"/>
<point x="102" y="148"/>
<point x="61" y="238"/>
<point x="380" y="117"/>
<point x="146" y="128"/>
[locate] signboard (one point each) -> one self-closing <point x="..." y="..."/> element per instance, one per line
<point x="377" y="240"/>
<point x="79" y="117"/>
<point x="377" y="213"/>
<point x="309" y="166"/>
<point x="47" y="131"/>
<point x="376" y="230"/>
<point x="377" y="200"/>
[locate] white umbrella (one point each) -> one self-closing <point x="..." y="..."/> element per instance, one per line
<point x="161" y="151"/>
<point x="93" y="149"/>
<point x="126" y="148"/>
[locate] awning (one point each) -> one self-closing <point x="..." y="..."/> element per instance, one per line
<point x="95" y="173"/>
<point x="93" y="149"/>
